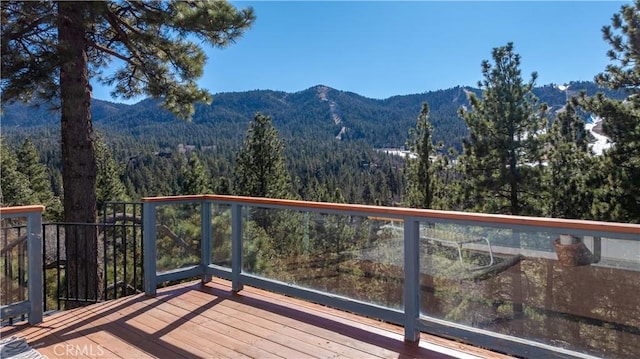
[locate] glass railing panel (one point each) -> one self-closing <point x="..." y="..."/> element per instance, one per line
<point x="342" y="254"/>
<point x="594" y="306"/>
<point x="13" y="261"/>
<point x="526" y="286"/>
<point x="221" y="234"/>
<point x="178" y="231"/>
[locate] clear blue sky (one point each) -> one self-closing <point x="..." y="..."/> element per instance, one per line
<point x="381" y="49"/>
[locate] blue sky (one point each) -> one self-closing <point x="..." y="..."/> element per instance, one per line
<point x="382" y="48"/>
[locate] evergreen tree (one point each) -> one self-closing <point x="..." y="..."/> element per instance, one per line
<point x="38" y="179"/>
<point x="501" y="158"/>
<point x="14" y="185"/>
<point x="222" y="186"/>
<point x="261" y="169"/>
<point x="367" y="194"/>
<point x="619" y="197"/>
<point x="109" y="187"/>
<point x="420" y="171"/>
<point x="196" y="180"/>
<point x="29" y="165"/>
<point x="569" y="161"/>
<point x="51" y="50"/>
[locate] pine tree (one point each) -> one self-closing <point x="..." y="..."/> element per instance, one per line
<point x="501" y="158"/>
<point x="196" y="180"/>
<point x="619" y="197"/>
<point x="421" y="176"/>
<point x="222" y="186"/>
<point x="38" y="179"/>
<point x="29" y="165"/>
<point x="261" y="168"/>
<point x="261" y="171"/>
<point x="569" y="161"/>
<point x="109" y="187"/>
<point x="51" y="50"/>
<point x="14" y="185"/>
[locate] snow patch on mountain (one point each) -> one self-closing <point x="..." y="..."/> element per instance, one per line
<point x="602" y="142"/>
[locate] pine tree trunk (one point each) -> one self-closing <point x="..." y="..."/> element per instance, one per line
<point x="79" y="167"/>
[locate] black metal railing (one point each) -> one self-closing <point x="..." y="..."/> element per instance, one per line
<point x="117" y="240"/>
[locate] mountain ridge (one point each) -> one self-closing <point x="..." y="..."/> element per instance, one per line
<point x="317" y="113"/>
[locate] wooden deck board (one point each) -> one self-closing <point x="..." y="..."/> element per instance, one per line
<point x="266" y="322"/>
<point x="209" y="321"/>
<point x="280" y="323"/>
<point x="287" y="338"/>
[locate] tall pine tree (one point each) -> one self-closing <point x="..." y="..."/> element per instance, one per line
<point x="420" y="171"/>
<point x="109" y="187"/>
<point x="38" y="179"/>
<point x="52" y="49"/>
<point x="14" y="185"/>
<point x="501" y="158"/>
<point x="568" y="192"/>
<point x="261" y="168"/>
<point x="618" y="199"/>
<point x="195" y="177"/>
<point x="261" y="171"/>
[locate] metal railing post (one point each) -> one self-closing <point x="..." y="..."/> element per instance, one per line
<point x="34" y="250"/>
<point x="205" y="239"/>
<point x="150" y="249"/>
<point x="411" y="279"/>
<point x="236" y="247"/>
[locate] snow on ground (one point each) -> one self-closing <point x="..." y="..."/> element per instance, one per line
<point x="398" y="152"/>
<point x="602" y="142"/>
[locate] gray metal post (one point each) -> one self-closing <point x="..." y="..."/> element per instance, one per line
<point x="34" y="252"/>
<point x="597" y="249"/>
<point x="150" y="250"/>
<point x="205" y="239"/>
<point x="411" y="279"/>
<point x="236" y="247"/>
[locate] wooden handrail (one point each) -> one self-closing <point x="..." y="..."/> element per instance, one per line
<point x="21" y="209"/>
<point x="574" y="224"/>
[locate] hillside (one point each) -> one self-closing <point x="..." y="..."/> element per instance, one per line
<point x="330" y="138"/>
<point x="319" y="113"/>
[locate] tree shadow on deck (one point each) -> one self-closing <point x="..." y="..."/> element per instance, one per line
<point x="63" y="328"/>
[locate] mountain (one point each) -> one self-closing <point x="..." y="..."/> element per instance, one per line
<point x="330" y="138"/>
<point x="319" y="113"/>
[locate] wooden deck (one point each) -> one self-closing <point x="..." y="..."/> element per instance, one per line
<point x="208" y="321"/>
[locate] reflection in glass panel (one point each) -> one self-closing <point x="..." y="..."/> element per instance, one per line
<point x="178" y="233"/>
<point x="524" y="285"/>
<point x="221" y="235"/>
<point x="352" y="256"/>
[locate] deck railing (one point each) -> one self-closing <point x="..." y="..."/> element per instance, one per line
<point x="119" y="265"/>
<point x="32" y="306"/>
<point x="494" y="281"/>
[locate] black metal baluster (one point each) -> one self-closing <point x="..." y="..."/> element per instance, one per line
<point x="44" y="268"/>
<point x="104" y="251"/>
<point x="58" y="266"/>
<point x="86" y="266"/>
<point x="124" y="250"/>
<point x="135" y="261"/>
<point x="115" y="252"/>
